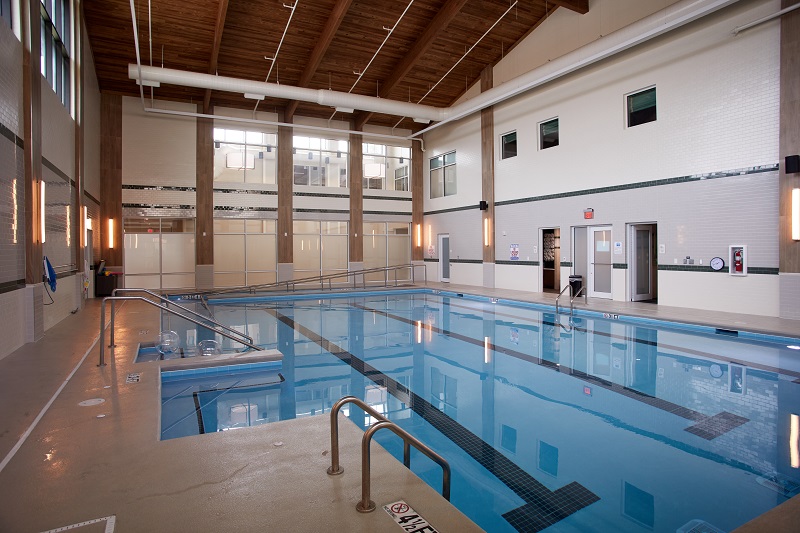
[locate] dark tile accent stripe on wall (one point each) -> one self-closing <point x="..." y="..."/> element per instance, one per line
<point x="11" y="136"/>
<point x="9" y="286"/>
<point x="451" y="210"/>
<point x="57" y="171"/>
<point x="401" y="199"/>
<point x="469" y="261"/>
<point x="507" y="262"/>
<point x="643" y="184"/>
<point x="543" y="507"/>
<point x="620" y="266"/>
<point x="159" y="188"/>
<point x="705" y="268"/>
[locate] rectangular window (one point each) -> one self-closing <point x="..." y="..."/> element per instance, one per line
<point x="5" y="11"/>
<point x="56" y="32"/>
<point x="443" y="175"/>
<point x="401" y="178"/>
<point x="381" y="162"/>
<point x="642" y="107"/>
<point x="320" y="162"/>
<point x="548" y="134"/>
<point x="508" y="146"/>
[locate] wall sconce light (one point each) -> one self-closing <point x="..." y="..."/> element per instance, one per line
<point x="41" y="209"/>
<point x="419" y="235"/>
<point x="111" y="233"/>
<point x="486" y="231"/>
<point x="487" y="353"/>
<point x="796" y="214"/>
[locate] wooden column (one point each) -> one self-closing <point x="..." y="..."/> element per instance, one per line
<point x="32" y="118"/>
<point x="285" y="198"/>
<point x="80" y="227"/>
<point x="487" y="169"/>
<point x="111" y="177"/>
<point x="417" y="201"/>
<point x="789" y="144"/>
<point x="356" y="167"/>
<point x="204" y="203"/>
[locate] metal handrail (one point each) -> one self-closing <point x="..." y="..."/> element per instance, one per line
<point x="335" y="469"/>
<point x="366" y="505"/>
<point x="562" y="292"/>
<point x="292" y="284"/>
<point x="179" y="306"/>
<point x="167" y="309"/>
<point x="571" y="300"/>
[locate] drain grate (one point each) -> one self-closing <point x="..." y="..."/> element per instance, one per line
<point x="783" y="485"/>
<point x="698" y="526"/>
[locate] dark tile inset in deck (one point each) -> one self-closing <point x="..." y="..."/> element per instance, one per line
<point x="719" y="424"/>
<point x="552" y="505"/>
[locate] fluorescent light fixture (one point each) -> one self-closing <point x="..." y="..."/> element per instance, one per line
<point x="344" y="110"/>
<point x="794" y="437"/>
<point x="251" y="96"/>
<point x="796" y="214"/>
<point x="69" y="226"/>
<point x="419" y="235"/>
<point x="149" y="83"/>
<point x="15" y="212"/>
<point x="486" y="231"/>
<point x="111" y="233"/>
<point x="86" y="217"/>
<point x="41" y="209"/>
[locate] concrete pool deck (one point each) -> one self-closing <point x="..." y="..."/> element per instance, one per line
<point x="76" y="466"/>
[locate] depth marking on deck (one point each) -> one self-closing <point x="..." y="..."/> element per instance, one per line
<point x="408" y="518"/>
<point x="109" y="520"/>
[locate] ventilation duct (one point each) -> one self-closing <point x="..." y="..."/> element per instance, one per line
<point x="657" y="24"/>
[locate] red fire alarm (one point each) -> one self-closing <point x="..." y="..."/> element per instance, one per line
<point x="588" y="213"/>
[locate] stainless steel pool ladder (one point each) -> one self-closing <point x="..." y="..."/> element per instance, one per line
<point x="291" y="285"/>
<point x="572" y="298"/>
<point x="366" y="505"/>
<point x="162" y="307"/>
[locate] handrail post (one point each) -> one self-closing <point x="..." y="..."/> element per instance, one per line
<point x="366" y="505"/>
<point x="102" y="333"/>
<point x="111" y="343"/>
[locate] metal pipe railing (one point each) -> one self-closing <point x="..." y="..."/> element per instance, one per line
<point x="167" y="309"/>
<point x="568" y="287"/>
<point x="572" y="300"/>
<point x="179" y="306"/>
<point x="335" y="469"/>
<point x="366" y="505"/>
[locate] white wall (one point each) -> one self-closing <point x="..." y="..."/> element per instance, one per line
<point x="158" y="149"/>
<point x="91" y="123"/>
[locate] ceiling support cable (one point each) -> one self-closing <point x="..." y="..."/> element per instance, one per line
<point x="274" y="59"/>
<point x="462" y="57"/>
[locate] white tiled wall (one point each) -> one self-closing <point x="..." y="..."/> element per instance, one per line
<point x="12" y="327"/>
<point x="66" y="299"/>
<point x="10" y="80"/>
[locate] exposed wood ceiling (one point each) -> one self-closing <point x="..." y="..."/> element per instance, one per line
<point x="326" y="46"/>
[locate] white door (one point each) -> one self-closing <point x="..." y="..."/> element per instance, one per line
<point x="641" y="239"/>
<point x="600" y="262"/>
<point x="444" y="257"/>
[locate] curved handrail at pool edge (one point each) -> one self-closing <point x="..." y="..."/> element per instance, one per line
<point x="167" y="309"/>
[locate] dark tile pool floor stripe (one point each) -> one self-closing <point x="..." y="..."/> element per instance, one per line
<point x="556" y="505"/>
<point x="652" y="401"/>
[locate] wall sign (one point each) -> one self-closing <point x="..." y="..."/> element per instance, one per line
<point x="513" y="250"/>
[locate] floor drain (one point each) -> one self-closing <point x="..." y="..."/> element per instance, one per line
<point x="93" y="401"/>
<point x="783" y="485"/>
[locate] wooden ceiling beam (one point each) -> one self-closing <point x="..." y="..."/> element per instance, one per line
<point x="442" y="19"/>
<point x="324" y="41"/>
<point x="222" y="12"/>
<point x="578" y="6"/>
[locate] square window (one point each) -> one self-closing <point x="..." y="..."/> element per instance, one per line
<point x="638" y="505"/>
<point x="548" y="458"/>
<point x="508" y="146"/>
<point x="508" y="438"/>
<point x="642" y="107"/>
<point x="548" y="134"/>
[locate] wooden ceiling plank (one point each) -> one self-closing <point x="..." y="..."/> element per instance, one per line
<point x="445" y="15"/>
<point x="578" y="6"/>
<point x="222" y="12"/>
<point x="324" y="41"/>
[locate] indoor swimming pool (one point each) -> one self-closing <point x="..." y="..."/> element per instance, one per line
<point x="548" y="423"/>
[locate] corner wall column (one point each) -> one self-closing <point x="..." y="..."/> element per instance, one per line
<point x="789" y="144"/>
<point x="356" y="226"/>
<point x="285" y="207"/>
<point x="204" y="202"/>
<point x="487" y="182"/>
<point x="32" y="118"/>
<point x="111" y="178"/>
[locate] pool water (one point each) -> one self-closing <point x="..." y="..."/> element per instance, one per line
<point x="549" y="424"/>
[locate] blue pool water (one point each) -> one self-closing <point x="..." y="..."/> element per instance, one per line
<point x="548" y="425"/>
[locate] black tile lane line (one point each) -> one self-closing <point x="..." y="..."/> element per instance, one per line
<point x="722" y="422"/>
<point x="542" y="508"/>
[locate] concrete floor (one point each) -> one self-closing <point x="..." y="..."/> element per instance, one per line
<point x="76" y="466"/>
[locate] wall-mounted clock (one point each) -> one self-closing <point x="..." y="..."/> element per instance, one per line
<point x="717" y="263"/>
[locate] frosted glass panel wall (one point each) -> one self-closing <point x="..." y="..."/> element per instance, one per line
<point x="320" y="248"/>
<point x="387" y="244"/>
<point x="245" y="252"/>
<point x="159" y="253"/>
